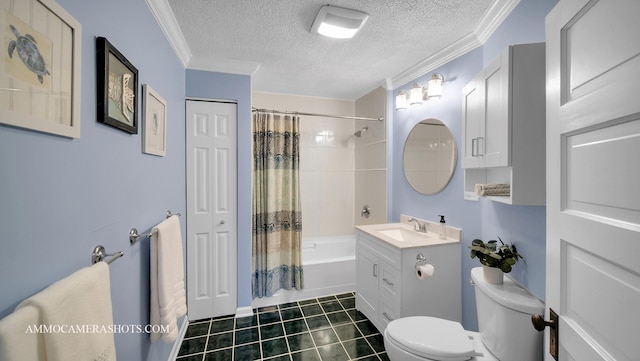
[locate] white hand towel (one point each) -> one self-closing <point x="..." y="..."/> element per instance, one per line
<point x="168" y="296"/>
<point x="81" y="300"/>
<point x="18" y="339"/>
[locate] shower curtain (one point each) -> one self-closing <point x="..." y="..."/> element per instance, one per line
<point x="277" y="219"/>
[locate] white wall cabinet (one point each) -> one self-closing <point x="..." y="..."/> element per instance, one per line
<point x="387" y="287"/>
<point x="503" y="128"/>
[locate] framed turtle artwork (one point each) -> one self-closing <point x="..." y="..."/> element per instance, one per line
<point x="117" y="81"/>
<point x="40" y="67"/>
<point x="155" y="122"/>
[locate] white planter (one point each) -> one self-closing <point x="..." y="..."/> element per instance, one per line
<point x="493" y="275"/>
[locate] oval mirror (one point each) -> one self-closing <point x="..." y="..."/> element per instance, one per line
<point x="429" y="156"/>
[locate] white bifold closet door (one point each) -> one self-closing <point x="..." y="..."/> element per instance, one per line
<point x="211" y="151"/>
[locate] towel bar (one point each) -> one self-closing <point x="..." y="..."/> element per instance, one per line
<point x="169" y="214"/>
<point x="99" y="254"/>
<point x="134" y="236"/>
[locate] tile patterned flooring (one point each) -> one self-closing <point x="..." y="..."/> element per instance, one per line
<point x="325" y="328"/>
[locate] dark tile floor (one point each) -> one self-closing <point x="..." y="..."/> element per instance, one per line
<point x="326" y="328"/>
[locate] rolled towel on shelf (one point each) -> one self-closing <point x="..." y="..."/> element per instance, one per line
<point x="496" y="190"/>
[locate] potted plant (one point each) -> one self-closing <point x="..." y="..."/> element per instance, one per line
<point x="496" y="258"/>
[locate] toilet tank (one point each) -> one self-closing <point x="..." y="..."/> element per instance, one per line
<point x="504" y="319"/>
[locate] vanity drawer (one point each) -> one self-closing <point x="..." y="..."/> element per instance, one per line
<point x="389" y="282"/>
<point x="389" y="311"/>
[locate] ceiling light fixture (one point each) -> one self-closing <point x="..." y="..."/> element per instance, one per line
<point x="339" y="23"/>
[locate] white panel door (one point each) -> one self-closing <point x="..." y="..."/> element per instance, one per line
<point x="593" y="167"/>
<point x="211" y="144"/>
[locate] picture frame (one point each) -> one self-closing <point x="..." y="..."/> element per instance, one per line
<point x="155" y="122"/>
<point x="40" y="92"/>
<point x="117" y="88"/>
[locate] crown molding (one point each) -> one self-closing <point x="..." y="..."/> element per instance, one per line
<point x="223" y="65"/>
<point x="460" y="47"/>
<point x="492" y="18"/>
<point x="161" y="10"/>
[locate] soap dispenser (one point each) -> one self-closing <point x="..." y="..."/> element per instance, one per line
<point x="443" y="227"/>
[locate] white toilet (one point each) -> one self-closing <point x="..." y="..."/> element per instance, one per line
<point x="504" y="319"/>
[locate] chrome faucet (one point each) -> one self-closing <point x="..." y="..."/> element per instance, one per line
<point x="420" y="227"/>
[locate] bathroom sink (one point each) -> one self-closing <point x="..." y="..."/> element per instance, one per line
<point x="402" y="234"/>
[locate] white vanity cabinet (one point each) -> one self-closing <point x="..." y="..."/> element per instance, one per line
<point x="503" y="128"/>
<point x="387" y="287"/>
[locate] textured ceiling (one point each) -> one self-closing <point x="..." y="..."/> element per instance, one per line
<point x="271" y="41"/>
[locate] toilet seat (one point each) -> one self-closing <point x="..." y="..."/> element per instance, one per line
<point x="431" y="338"/>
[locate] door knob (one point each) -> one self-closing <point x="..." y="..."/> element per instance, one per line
<point x="539" y="324"/>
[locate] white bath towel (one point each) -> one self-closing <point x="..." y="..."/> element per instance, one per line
<point x="168" y="296"/>
<point x="18" y="342"/>
<point x="76" y="316"/>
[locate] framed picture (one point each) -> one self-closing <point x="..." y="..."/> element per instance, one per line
<point x="40" y="67"/>
<point x="117" y="81"/>
<point x="155" y="122"/>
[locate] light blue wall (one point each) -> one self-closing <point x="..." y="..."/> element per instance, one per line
<point x="60" y="197"/>
<point x="219" y="86"/>
<point x="522" y="225"/>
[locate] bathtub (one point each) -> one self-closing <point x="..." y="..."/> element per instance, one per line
<point x="329" y="265"/>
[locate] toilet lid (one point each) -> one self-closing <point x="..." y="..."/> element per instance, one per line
<point x="431" y="338"/>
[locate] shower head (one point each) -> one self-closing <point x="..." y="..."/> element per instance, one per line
<point x="359" y="132"/>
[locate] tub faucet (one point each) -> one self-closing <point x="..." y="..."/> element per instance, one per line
<point x="420" y="227"/>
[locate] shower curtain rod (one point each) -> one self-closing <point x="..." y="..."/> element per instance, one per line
<point x="315" y="114"/>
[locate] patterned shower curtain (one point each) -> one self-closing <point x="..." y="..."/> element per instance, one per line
<point x="277" y="219"/>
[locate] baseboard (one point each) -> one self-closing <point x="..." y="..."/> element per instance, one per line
<point x="176" y="345"/>
<point x="244" y="311"/>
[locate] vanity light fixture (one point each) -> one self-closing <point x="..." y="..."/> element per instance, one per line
<point x="401" y="100"/>
<point x="337" y="22"/>
<point x="435" y="86"/>
<point x="416" y="94"/>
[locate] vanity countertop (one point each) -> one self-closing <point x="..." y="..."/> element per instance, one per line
<point x="403" y="235"/>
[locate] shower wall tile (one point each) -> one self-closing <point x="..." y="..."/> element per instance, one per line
<point x="327" y="203"/>
<point x="371" y="156"/>
<point x="326" y="161"/>
<point x="371" y="159"/>
<point x="333" y="193"/>
<point x="329" y="159"/>
<point x="371" y="188"/>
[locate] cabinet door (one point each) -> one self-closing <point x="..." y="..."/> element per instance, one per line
<point x="473" y="122"/>
<point x="494" y="145"/>
<point x="367" y="282"/>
